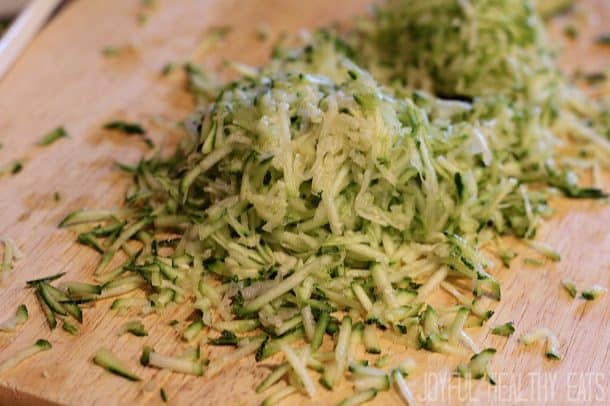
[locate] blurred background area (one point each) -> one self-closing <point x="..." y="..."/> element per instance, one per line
<point x="20" y="21"/>
<point x="9" y="9"/>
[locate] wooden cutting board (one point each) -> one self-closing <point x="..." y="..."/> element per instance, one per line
<point x="63" y="79"/>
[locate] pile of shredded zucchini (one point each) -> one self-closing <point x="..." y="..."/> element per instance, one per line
<point x="312" y="210"/>
<point x="484" y="51"/>
<point x="462" y="48"/>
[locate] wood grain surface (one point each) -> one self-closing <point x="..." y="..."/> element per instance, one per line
<point x="63" y="79"/>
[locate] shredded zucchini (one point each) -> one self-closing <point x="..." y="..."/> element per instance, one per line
<point x="360" y="370"/>
<point x="317" y="202"/>
<point x="52" y="136"/>
<point x="20" y="356"/>
<point x="182" y="365"/>
<point x="111" y="363"/>
<point x="299" y="368"/>
<point x="20" y="317"/>
<point x="371" y="341"/>
<point x="70" y="328"/>
<point x="505" y="330"/>
<point x="290" y="214"/>
<point x="10" y="254"/>
<point x="278" y="395"/>
<point x="594" y="292"/>
<point x="379" y="383"/>
<point x="478" y="367"/>
<point x="570" y="287"/>
<point x="193" y="330"/>
<point x="128" y="128"/>
<point x="406" y="366"/>
<point x="273" y="377"/>
<point x="402" y="387"/>
<point x="359" y="398"/>
<point x="382" y="361"/>
<point x="135" y="328"/>
<point x="552" y="343"/>
<point x="545" y="250"/>
<point x="249" y="347"/>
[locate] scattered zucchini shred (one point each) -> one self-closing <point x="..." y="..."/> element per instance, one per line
<point x="20" y="356"/>
<point x="111" y="51"/>
<point x="135" y="328"/>
<point x="545" y="250"/>
<point x="193" y="330"/>
<point x="11" y="169"/>
<point x="570" y="287"/>
<point x="505" y="330"/>
<point x="47" y="311"/>
<point x="406" y="366"/>
<point x="278" y="394"/>
<point x="593" y="292"/>
<point x="16" y="167"/>
<point x="145" y="357"/>
<point x="128" y="128"/>
<point x="507" y="256"/>
<point x="45" y="279"/>
<point x="146" y="7"/>
<point x="200" y="83"/>
<point x="552" y="343"/>
<point x="186" y="366"/>
<point x="167" y="68"/>
<point x="382" y="361"/>
<point x="56" y="302"/>
<point x="70" y="328"/>
<point x="20" y="317"/>
<point x="226" y="338"/>
<point x="403" y="388"/>
<point x="246" y="347"/>
<point x="52" y="136"/>
<point x="359" y="398"/>
<point x="10" y="255"/>
<point x="112" y="364"/>
<point x="299" y="368"/>
<point x="163" y="395"/>
<point x="125" y="127"/>
<point x="533" y="261"/>
<point x="273" y="377"/>
<point x="82" y="291"/>
<point x="478" y="367"/>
